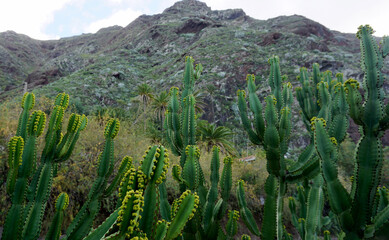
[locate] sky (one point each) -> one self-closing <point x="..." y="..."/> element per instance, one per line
<point x="54" y="19"/>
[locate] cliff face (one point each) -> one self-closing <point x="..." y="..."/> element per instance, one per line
<point x="104" y="68"/>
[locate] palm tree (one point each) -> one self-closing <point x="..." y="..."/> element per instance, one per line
<point x="159" y="104"/>
<point x="220" y="136"/>
<point x="145" y="92"/>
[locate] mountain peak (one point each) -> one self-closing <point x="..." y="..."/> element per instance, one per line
<point x="188" y="6"/>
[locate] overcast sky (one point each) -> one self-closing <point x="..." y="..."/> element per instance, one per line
<point x="53" y="19"/>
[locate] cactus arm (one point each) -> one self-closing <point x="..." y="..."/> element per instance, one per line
<point x="176" y="173"/>
<point x="305" y="96"/>
<point x="66" y="146"/>
<point x="154" y="166"/>
<point x="213" y="191"/>
<point x="28" y="103"/>
<point x="107" y="157"/>
<point x="295" y="217"/>
<point x="385" y="46"/>
<point x="306" y="166"/>
<point x="245" y="212"/>
<point x="272" y="139"/>
<point x="128" y="182"/>
<point x="15" y="152"/>
<point x="287" y="95"/>
<point x="232" y="224"/>
<point x="314" y="208"/>
<point x="275" y="79"/>
<point x="325" y="102"/>
<point x="308" y="171"/>
<point x="82" y="223"/>
<point x="304" y="157"/>
<point x="61" y="204"/>
<point x="103" y="229"/>
<point x="183" y="210"/>
<point x="161" y="230"/>
<point x="189" y="123"/>
<point x="327" y="235"/>
<point x="35" y="127"/>
<point x="130" y="213"/>
<point x="190" y="172"/>
<point x="340" y="123"/>
<point x="147" y="222"/>
<point x="269" y="224"/>
<point x="172" y="122"/>
<point x="163" y="203"/>
<point x="13" y="220"/>
<point x="383" y="199"/>
<point x="284" y="130"/>
<point x="354" y="100"/>
<point x="381" y="218"/>
<point x="188" y="78"/>
<point x="226" y="181"/>
<point x="36" y="209"/>
<point x="52" y="137"/>
<point x="254" y="138"/>
<point x="338" y="197"/>
<point x="316" y="78"/>
<point x="255" y="107"/>
<point x="125" y="165"/>
<point x="147" y="164"/>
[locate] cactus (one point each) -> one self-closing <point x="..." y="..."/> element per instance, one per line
<point x="61" y="204"/>
<point x="358" y="217"/>
<point x="83" y="221"/>
<point x="181" y="129"/>
<point x="272" y="130"/>
<point x="138" y="212"/>
<point x="272" y="127"/>
<point x="24" y="218"/>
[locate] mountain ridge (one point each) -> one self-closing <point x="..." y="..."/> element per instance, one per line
<point x="34" y="54"/>
<point x="103" y="69"/>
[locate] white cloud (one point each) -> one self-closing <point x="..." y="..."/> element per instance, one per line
<point x="121" y="18"/>
<point x="29" y="17"/>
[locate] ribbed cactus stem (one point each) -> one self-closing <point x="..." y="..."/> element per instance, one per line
<point x="28" y="103"/>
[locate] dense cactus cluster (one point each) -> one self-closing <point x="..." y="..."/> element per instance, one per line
<point x="181" y="135"/>
<point x="29" y="185"/>
<point x="325" y="105"/>
<point x="202" y="211"/>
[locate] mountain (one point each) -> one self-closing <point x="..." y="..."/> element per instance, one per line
<point x="104" y="68"/>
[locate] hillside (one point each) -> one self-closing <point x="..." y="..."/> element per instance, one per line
<point x="104" y="68"/>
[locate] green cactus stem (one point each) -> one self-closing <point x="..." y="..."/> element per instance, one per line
<point x="358" y="210"/>
<point x="61" y="204"/>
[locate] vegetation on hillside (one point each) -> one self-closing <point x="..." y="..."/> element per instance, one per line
<point x="192" y="195"/>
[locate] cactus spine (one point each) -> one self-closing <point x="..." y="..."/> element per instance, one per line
<point x="358" y="217"/>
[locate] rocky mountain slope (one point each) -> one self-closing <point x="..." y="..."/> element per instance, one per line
<point x="104" y="68"/>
